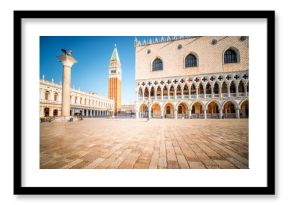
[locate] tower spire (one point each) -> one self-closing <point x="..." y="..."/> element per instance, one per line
<point x="115" y="55"/>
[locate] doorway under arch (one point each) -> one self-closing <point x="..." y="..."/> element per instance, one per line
<point x="46" y="112"/>
<point x="229" y="110"/>
<point x="143" y="111"/>
<point x="212" y="110"/>
<point x="244" y="113"/>
<point x="169" y="111"/>
<point x="55" y="113"/>
<point x="196" y="110"/>
<point x="155" y="111"/>
<point x="182" y="110"/>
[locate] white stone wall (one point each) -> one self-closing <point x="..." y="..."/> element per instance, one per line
<point x="210" y="57"/>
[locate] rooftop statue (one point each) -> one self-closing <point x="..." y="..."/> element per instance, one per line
<point x="67" y="52"/>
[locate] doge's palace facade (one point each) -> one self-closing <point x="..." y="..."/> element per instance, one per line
<point x="192" y="77"/>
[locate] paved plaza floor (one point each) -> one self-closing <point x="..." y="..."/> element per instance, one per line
<point x="96" y="143"/>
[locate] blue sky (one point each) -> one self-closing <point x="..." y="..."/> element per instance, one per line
<point x="93" y="54"/>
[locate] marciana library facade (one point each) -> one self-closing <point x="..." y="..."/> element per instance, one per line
<point x="176" y="77"/>
<point x="192" y="77"/>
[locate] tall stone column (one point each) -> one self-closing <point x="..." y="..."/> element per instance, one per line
<point x="175" y="113"/>
<point x="67" y="62"/>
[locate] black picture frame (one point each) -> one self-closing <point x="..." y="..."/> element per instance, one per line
<point x="19" y="189"/>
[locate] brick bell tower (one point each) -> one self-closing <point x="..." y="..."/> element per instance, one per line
<point x="115" y="81"/>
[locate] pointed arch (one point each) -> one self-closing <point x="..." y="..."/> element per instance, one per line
<point x="241" y="87"/>
<point x="185" y="91"/>
<point x="168" y="110"/>
<point x="229" y="109"/>
<point x="192" y="90"/>
<point x="171" y="91"/>
<point x="200" y="90"/>
<point x="244" y="108"/>
<point x="197" y="108"/>
<point x="224" y="88"/>
<point x="231" y="55"/>
<point x="165" y="92"/>
<point x="152" y="92"/>
<point x="143" y="110"/>
<point x="156" y="110"/>
<point x="178" y="91"/>
<point x="208" y="89"/>
<point x="233" y="89"/>
<point x="213" y="109"/>
<point x="191" y="61"/>
<point x="182" y="110"/>
<point x="140" y="93"/>
<point x="146" y="92"/>
<point x="158" y="92"/>
<point x="216" y="88"/>
<point x="157" y="64"/>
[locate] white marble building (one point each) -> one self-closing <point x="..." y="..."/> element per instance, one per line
<point x="81" y="103"/>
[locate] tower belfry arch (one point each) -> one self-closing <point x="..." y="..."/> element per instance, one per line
<point x="115" y="80"/>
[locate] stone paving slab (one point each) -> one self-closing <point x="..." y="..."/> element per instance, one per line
<point x="137" y="144"/>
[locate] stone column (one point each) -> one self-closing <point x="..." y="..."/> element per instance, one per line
<point x="204" y="112"/>
<point x="182" y="93"/>
<point x="220" y="90"/>
<point x="221" y="113"/>
<point x="246" y="92"/>
<point x="149" y="112"/>
<point x="237" y="89"/>
<point x="189" y="92"/>
<point x="175" y="113"/>
<point x="175" y="93"/>
<point x="238" y="113"/>
<point x="189" y="113"/>
<point x="67" y="62"/>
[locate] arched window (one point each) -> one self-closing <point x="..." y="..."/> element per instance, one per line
<point x="55" y="96"/>
<point x="47" y="95"/>
<point x="190" y="61"/>
<point x="231" y="56"/>
<point x="157" y="65"/>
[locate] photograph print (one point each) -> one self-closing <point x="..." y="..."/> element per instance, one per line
<point x="144" y="102"/>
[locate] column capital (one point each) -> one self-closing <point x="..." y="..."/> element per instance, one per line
<point x="67" y="60"/>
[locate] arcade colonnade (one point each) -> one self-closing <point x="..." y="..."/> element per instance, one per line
<point x="223" y="95"/>
<point x="196" y="109"/>
<point x="81" y="103"/>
